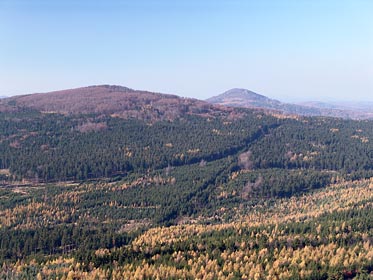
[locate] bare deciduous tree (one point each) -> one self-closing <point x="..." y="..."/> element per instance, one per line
<point x="244" y="160"/>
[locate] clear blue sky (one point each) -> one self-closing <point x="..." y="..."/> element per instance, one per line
<point x="288" y="50"/>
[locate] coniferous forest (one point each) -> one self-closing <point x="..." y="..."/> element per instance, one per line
<point x="206" y="193"/>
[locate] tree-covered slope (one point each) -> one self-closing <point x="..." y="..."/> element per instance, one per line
<point x="322" y="235"/>
<point x="83" y="193"/>
<point x="111" y="100"/>
<point x="50" y="147"/>
<point x="54" y="147"/>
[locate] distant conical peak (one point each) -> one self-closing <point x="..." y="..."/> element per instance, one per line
<point x="243" y="93"/>
<point x="237" y="94"/>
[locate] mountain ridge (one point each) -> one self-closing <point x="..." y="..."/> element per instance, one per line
<point x="126" y="102"/>
<point x="238" y="97"/>
<point x="113" y="100"/>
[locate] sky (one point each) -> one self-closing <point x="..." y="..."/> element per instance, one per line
<point x="290" y="50"/>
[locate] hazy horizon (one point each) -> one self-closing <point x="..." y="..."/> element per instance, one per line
<point x="292" y="51"/>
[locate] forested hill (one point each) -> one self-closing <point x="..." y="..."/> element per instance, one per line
<point x="105" y="131"/>
<point x="91" y="178"/>
<point x="112" y="100"/>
